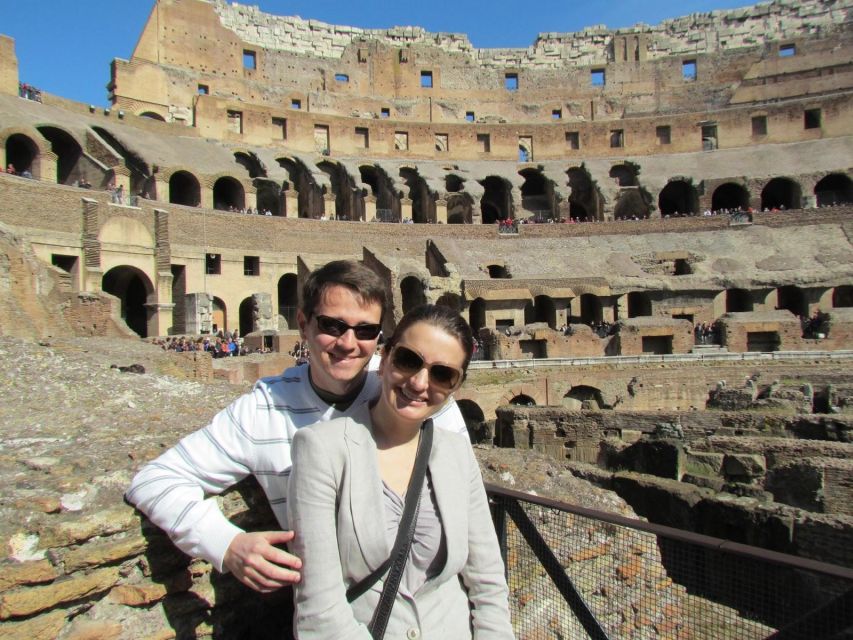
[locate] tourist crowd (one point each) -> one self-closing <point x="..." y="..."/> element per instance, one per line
<point x="706" y="333"/>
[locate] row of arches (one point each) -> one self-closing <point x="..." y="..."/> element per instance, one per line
<point x="333" y="191"/>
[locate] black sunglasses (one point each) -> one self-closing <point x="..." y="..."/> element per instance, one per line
<point x="409" y="362"/>
<point x="337" y="328"/>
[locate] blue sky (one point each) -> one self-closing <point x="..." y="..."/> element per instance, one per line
<point x="65" y="47"/>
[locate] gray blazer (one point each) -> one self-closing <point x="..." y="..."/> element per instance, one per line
<point x="336" y="507"/>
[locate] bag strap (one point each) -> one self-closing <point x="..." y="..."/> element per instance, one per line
<point x="405" y="533"/>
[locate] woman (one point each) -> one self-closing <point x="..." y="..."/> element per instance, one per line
<point x="346" y="499"/>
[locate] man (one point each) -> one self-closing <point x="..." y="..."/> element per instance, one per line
<point x="340" y="320"/>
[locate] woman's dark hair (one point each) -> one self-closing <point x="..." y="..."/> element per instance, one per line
<point x="438" y="316"/>
<point x="358" y="278"/>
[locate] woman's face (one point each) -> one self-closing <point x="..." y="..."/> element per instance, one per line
<point x="420" y="372"/>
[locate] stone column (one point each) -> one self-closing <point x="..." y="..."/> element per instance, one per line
<point x="441" y="211"/>
<point x="405" y="209"/>
<point x="159" y="318"/>
<point x="251" y="197"/>
<point x="45" y="169"/>
<point x="370" y="208"/>
<point x="198" y="313"/>
<point x="92" y="274"/>
<point x="263" y="318"/>
<point x="291" y="202"/>
<point x="330" y="208"/>
<point x="206" y="195"/>
<point x="121" y="178"/>
<point x="161" y="188"/>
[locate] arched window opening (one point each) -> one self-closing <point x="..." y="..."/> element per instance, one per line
<point x="459" y="209"/>
<point x="21" y="153"/>
<point x="288" y="301"/>
<point x="269" y="197"/>
<point x="152" y="116"/>
<point x="477" y="315"/>
<point x="219" y="315"/>
<point x="834" y="189"/>
<point x="731" y="197"/>
<point x="842" y="296"/>
<point x="545" y="311"/>
<point x="639" y="304"/>
<point x="132" y="287"/>
<point x="412" y="290"/>
<point x="522" y="400"/>
<point x="251" y="163"/>
<point x="381" y="188"/>
<point x="142" y="181"/>
<point x="247" y="316"/>
<point x="591" y="311"/>
<point x="184" y="189"/>
<point x="498" y="271"/>
<point x="496" y="203"/>
<point x="423" y="205"/>
<point x="537" y="195"/>
<point x="781" y="193"/>
<point x="474" y="419"/>
<point x="793" y="299"/>
<point x="678" y="198"/>
<point x="584" y="199"/>
<point x="228" y="195"/>
<point x="738" y="300"/>
<point x="583" y="398"/>
<point x="451" y="301"/>
<point x="68" y="153"/>
<point x="310" y="196"/>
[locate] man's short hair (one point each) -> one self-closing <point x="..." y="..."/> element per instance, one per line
<point x="361" y="280"/>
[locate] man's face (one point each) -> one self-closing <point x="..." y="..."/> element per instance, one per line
<point x="338" y="363"/>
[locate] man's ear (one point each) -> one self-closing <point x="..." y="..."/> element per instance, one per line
<point x="302" y="321"/>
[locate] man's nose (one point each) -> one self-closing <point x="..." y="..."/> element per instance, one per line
<point x="347" y="339"/>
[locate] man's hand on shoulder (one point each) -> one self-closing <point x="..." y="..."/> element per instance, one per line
<point x="255" y="562"/>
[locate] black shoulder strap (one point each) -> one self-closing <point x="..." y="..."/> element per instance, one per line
<point x="403" y="542"/>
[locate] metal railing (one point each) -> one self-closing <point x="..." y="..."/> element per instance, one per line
<point x="651" y="358"/>
<point x="578" y="573"/>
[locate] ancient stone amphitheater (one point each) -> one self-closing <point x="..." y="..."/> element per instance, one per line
<point x="585" y="202"/>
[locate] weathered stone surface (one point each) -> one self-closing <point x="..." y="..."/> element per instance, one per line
<point x="744" y="466"/>
<point x="94" y="630"/>
<point x="14" y="574"/>
<point x="47" y="626"/>
<point x="26" y="601"/>
<point x="103" y="552"/>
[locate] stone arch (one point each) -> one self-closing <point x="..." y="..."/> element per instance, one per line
<point x="134" y="289"/>
<point x="474" y="418"/>
<point x="349" y="205"/>
<point x="544" y="310"/>
<point x="835" y="188"/>
<point x="184" y="188"/>
<point x="591" y="309"/>
<point x="67" y="150"/>
<point x="793" y="299"/>
<point x="625" y="174"/>
<point x="251" y="163"/>
<point x="309" y="194"/>
<point x="247" y="316"/>
<point x="639" y="304"/>
<point x="382" y="188"/>
<point x="423" y="204"/>
<point x="537" y="194"/>
<point x="738" y="300"/>
<point x="585" y="201"/>
<point x="269" y="197"/>
<point x="525" y="392"/>
<point x="22" y="152"/>
<point x="498" y="271"/>
<point x="842" y="296"/>
<point x="288" y="300"/>
<point x="477" y="315"/>
<point x="142" y="181"/>
<point x="219" y="314"/>
<point x="678" y="197"/>
<point x="496" y="203"/>
<point x="781" y="193"/>
<point x="583" y="397"/>
<point x="731" y="196"/>
<point x="412" y="293"/>
<point x="152" y="115"/>
<point x="522" y="400"/>
<point x="228" y="194"/>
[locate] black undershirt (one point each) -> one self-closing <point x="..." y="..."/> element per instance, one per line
<point x="337" y="402"/>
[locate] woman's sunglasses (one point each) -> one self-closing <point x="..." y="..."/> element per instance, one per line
<point x="337" y="328"/>
<point x="409" y="362"/>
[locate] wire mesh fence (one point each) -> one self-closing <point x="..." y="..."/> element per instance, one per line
<point x="575" y="573"/>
